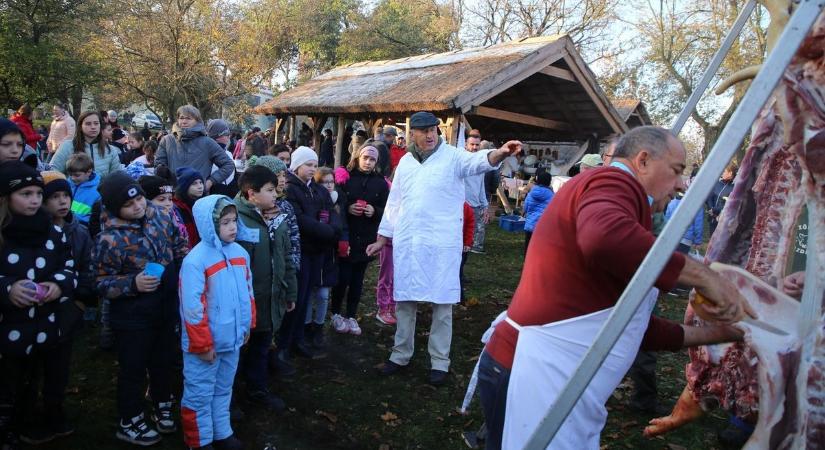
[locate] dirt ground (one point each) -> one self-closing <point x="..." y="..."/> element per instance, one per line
<point x="340" y="402"/>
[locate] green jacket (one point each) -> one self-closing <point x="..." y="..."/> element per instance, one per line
<point x="275" y="283"/>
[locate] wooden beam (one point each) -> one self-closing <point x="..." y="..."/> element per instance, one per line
<point x="525" y="119"/>
<point x="573" y="60"/>
<point x="558" y="72"/>
<point x="339" y="141"/>
<point x="407" y="130"/>
<point x="511" y="75"/>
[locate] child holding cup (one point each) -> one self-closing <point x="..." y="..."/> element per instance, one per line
<point x="141" y="282"/>
<point x="37" y="273"/>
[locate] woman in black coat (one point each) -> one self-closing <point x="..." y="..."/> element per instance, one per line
<point x="366" y="193"/>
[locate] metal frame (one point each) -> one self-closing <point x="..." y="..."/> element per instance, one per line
<point x="710" y="72"/>
<point x="726" y="146"/>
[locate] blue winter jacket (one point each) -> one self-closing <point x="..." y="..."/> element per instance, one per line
<point x="217" y="306"/>
<point x="84" y="196"/>
<point x="693" y="235"/>
<point x="534" y="205"/>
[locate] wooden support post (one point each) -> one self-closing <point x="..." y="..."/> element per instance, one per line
<point x="339" y="141"/>
<point x="407" y="130"/>
<point x="279" y="123"/>
<point x="292" y="130"/>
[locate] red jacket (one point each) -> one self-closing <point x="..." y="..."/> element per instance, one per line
<point x="185" y="212"/>
<point x="396" y="153"/>
<point x="469" y="225"/>
<point x="585" y="248"/>
<point x="25" y="125"/>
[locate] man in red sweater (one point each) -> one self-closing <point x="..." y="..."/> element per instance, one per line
<point x="585" y="248"/>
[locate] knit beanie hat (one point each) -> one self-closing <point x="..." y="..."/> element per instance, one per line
<point x="8" y="127"/>
<point x="217" y="128"/>
<point x="54" y="181"/>
<point x="116" y="189"/>
<point x="16" y="175"/>
<point x="301" y="156"/>
<point x="136" y="169"/>
<point x="186" y="176"/>
<point x="220" y="205"/>
<point x="154" y="185"/>
<point x="270" y="162"/>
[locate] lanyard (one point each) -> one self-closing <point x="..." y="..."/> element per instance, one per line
<point x="622" y="166"/>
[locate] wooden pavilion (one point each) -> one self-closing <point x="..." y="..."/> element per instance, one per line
<point x="536" y="89"/>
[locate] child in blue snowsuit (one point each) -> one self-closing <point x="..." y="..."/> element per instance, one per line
<point x="217" y="313"/>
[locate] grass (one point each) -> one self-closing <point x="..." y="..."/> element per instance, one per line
<point x="339" y="402"/>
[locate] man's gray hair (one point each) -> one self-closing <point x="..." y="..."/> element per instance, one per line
<point x="191" y="111"/>
<point x="653" y="139"/>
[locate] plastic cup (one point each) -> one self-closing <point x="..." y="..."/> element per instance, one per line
<point x="154" y="269"/>
<point x="41" y="292"/>
<point x="361" y="203"/>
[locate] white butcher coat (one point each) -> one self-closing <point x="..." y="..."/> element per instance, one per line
<point x="424" y="217"/>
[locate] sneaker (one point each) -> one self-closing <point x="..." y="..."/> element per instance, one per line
<point x="267" y="399"/>
<point x="230" y="443"/>
<point x="137" y="431"/>
<point x="340" y="324"/>
<point x="164" y="419"/>
<point x="353" y="326"/>
<point x="386" y="317"/>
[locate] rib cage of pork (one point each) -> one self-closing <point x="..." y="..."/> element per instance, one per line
<point x="777" y="383"/>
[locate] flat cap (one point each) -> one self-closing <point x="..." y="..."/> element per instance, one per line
<point x="592" y="160"/>
<point x="423" y="119"/>
<point x="390" y="131"/>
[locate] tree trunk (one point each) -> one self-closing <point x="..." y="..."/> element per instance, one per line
<point x="76" y="97"/>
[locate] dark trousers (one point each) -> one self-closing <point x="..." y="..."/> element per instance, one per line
<point x="140" y="351"/>
<point x="464" y="257"/>
<point x="255" y="364"/>
<point x="643" y="374"/>
<point x="14" y="371"/>
<point x="292" y="327"/>
<point x="351" y="284"/>
<point x="52" y="369"/>
<point x="527" y="236"/>
<point x="493" y="380"/>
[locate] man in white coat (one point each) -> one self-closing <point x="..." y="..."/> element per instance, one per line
<point x="423" y="217"/>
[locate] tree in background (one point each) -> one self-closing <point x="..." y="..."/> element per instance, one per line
<point x="45" y="53"/>
<point x="400" y="28"/>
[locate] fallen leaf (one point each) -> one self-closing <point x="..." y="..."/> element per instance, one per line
<point x="472" y="302"/>
<point x="329" y="416"/>
<point x="388" y="416"/>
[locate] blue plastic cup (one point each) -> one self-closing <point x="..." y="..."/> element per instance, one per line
<point x="153" y="269"/>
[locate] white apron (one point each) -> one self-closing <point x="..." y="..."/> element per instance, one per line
<point x="546" y="357"/>
<point x="424" y="217"/>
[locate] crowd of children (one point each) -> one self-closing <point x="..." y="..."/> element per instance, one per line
<point x="167" y="263"/>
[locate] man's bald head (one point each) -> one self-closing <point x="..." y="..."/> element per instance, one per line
<point x="656" y="140"/>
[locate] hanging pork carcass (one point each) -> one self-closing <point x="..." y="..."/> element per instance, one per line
<point x="774" y="381"/>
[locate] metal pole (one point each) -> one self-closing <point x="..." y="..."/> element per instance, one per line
<point x="729" y="141"/>
<point x="811" y="308"/>
<point x="710" y="72"/>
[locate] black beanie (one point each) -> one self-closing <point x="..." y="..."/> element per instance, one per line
<point x="8" y="127"/>
<point x="16" y="175"/>
<point x="116" y="189"/>
<point x="154" y="185"/>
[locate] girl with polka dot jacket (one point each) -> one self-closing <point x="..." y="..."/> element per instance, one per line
<point x="36" y="274"/>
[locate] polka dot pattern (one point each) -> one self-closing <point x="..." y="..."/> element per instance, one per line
<point x="13" y="258"/>
<point x="31" y="312"/>
<point x="30" y="274"/>
<point x="49" y="245"/>
<point x="40" y="262"/>
<point x="14" y="335"/>
<point x="41" y="337"/>
<point x="59" y="277"/>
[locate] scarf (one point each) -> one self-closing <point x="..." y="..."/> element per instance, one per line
<point x="421" y="156"/>
<point x="28" y="231"/>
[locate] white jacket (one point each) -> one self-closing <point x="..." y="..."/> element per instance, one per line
<point x="424" y="217"/>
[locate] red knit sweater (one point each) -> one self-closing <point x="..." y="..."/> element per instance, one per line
<point x="584" y="250"/>
<point x="469" y="225"/>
